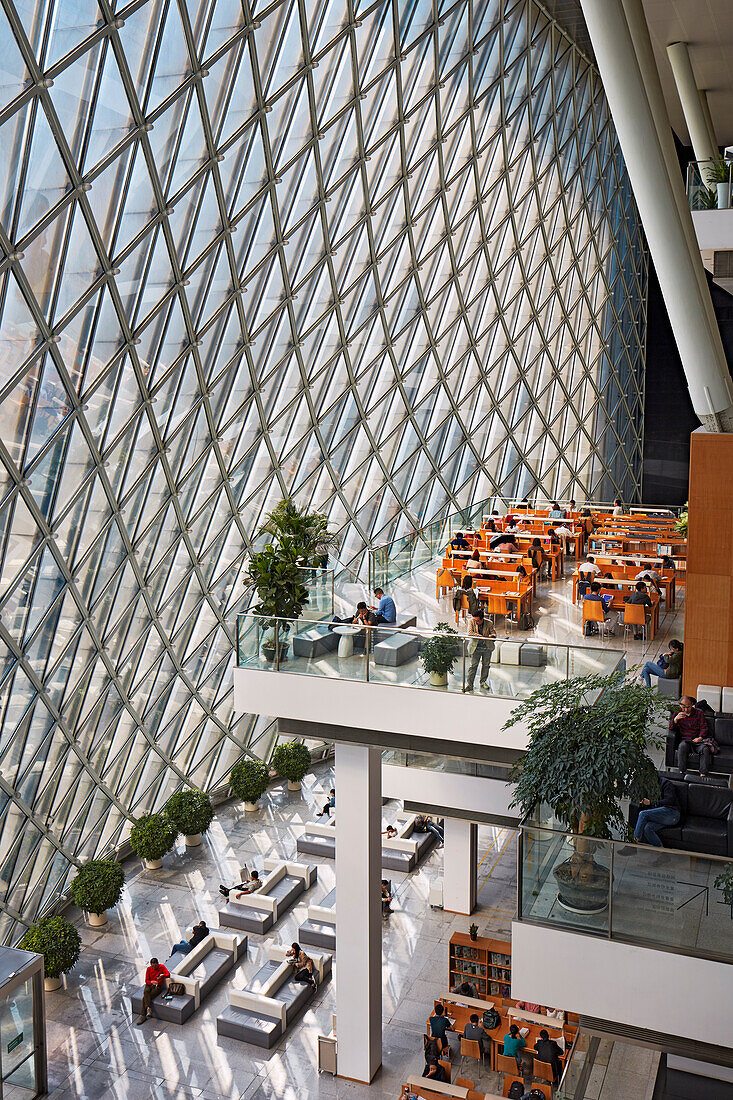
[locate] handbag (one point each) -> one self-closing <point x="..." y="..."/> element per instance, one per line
<point x="176" y="989"/>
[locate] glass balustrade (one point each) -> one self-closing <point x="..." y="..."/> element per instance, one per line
<point x="659" y="897"/>
<point x="389" y="656"/>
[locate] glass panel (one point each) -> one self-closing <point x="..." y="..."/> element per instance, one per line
<point x="17" y="1041"/>
<point x="565" y="880"/>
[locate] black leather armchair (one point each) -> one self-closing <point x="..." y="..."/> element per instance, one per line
<point x="721" y="728"/>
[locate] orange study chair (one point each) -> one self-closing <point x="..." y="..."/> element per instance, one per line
<point x="444" y="582"/>
<point x="635" y="616"/>
<point x="446" y="1066"/>
<point x="465" y="1083"/>
<point x="463" y="608"/>
<point x="509" y="1081"/>
<point x="593" y="613"/>
<point x="471" y="1048"/>
<point x="505" y="1064"/>
<point x="543" y="1070"/>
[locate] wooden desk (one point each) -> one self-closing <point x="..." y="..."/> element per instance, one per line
<point x="460" y="1014"/>
<point x="424" y="1087"/>
<point x="617" y="603"/>
<point x="626" y="578"/>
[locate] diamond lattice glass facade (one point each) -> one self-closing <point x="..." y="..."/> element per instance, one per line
<point x="380" y="255"/>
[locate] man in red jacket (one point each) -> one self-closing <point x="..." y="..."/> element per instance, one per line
<point x="690" y="724"/>
<point x="155" y="982"/>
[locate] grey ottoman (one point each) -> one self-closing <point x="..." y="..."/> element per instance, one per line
<point x="670" y="689"/>
<point x="315" y="641"/>
<point x="531" y="654"/>
<point x="396" y="650"/>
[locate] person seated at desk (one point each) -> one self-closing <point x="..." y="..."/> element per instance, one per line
<point x="438" y="1024"/>
<point x="466" y="989"/>
<point x="556" y="511"/>
<point x="537" y="554"/>
<point x="669" y="665"/>
<point x="458" y="542"/>
<point x="506" y="545"/>
<point x="433" y="1069"/>
<point x="491" y="526"/>
<point x="513" y="1045"/>
<point x="668" y="564"/>
<point x="476" y="1034"/>
<point x="618" y="508"/>
<point x="639" y="596"/>
<point x="527" y="1006"/>
<point x="548" y="1050"/>
<point x="693" y="730"/>
<point x="474" y="562"/>
<point x="610" y="617"/>
<point x="563" y="532"/>
<point x="553" y="536"/>
<point x="465" y="588"/>
<point x="386" y="612"/>
<point x="521" y="571"/>
<point x="588" y="568"/>
<point x="511" y="526"/>
<point x="651" y="577"/>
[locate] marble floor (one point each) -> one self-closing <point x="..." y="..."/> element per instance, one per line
<point x="95" y="1049"/>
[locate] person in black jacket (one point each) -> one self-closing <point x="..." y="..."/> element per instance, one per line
<point x="656" y="815"/>
<point x="549" y="1051"/>
<point x="199" y="932"/>
<point x="640" y="596"/>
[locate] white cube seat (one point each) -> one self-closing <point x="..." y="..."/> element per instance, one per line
<point x="726" y="703"/>
<point x="496" y="655"/>
<point x="510" y="653"/>
<point x="711" y="694"/>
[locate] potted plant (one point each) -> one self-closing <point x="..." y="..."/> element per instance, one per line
<point x="292" y="760"/>
<point x="586" y="751"/>
<point x="190" y="812"/>
<point x="97" y="887"/>
<point x="307" y="530"/>
<point x="681" y="524"/>
<point x="248" y="781"/>
<point x="276" y="574"/>
<point x="473" y="931"/>
<point x="151" y="837"/>
<point x="718" y="179"/>
<point x="439" y="654"/>
<point x="60" y="944"/>
<point x="724" y="883"/>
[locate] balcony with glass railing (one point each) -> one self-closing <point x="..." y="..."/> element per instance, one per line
<point x="298" y="647"/>
<point x="709" y="185"/>
<point x="636" y="894"/>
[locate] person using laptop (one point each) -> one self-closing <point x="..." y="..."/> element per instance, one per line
<point x="610" y="617"/>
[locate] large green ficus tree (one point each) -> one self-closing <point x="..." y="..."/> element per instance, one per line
<point x="587" y="749"/>
<point x="306" y="531"/>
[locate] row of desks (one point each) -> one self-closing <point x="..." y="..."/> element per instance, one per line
<point x="625" y="578"/>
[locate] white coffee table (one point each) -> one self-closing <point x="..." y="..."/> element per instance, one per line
<point x="346" y="641"/>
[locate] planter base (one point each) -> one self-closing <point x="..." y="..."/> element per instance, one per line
<point x="97" y="920"/>
<point x="439" y="679"/>
<point x="153" y="864"/>
<point x="50" y="984"/>
<point x="193" y="840"/>
<point x="293" y="786"/>
<point x="251" y="806"/>
<point x="584" y="892"/>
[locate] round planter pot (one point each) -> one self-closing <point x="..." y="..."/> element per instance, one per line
<point x="97" y="920"/>
<point x="193" y="840"/>
<point x="251" y="806"/>
<point x="50" y="984"/>
<point x="293" y="786"/>
<point x="153" y="864"/>
<point x="585" y="891"/>
<point x="439" y="679"/>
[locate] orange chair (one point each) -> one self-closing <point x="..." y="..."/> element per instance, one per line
<point x="593" y="613"/>
<point x="463" y="608"/>
<point x="635" y="615"/>
<point x="509" y="1081"/>
<point x="446" y="1066"/>
<point x="464" y="1083"/>
<point x="471" y="1048"/>
<point x="444" y="582"/>
<point x="505" y="1064"/>
<point x="543" y="1070"/>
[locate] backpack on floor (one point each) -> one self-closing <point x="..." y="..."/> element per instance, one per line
<point x="536" y="1094"/>
<point x="491" y="1019"/>
<point x="516" y="1091"/>
<point x="526" y="622"/>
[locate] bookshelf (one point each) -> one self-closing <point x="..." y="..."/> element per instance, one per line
<point x="486" y="963"/>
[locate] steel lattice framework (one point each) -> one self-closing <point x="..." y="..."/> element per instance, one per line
<point x="383" y="256"/>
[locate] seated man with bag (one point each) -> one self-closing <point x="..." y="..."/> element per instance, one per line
<point x="156" y="979"/>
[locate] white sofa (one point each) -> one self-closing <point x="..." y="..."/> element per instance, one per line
<point x="281" y="885"/>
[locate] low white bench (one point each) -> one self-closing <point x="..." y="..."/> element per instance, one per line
<point x="260" y="910"/>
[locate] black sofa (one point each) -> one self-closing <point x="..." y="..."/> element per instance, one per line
<point x="706" y="825"/>
<point x="721" y="728"/>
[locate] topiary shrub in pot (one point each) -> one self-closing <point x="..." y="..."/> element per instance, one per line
<point x="151" y="837"/>
<point x="98" y="887"/>
<point x="191" y="812"/>
<point x="439" y="654"/>
<point x="60" y="944"/>
<point x="248" y="781"/>
<point x="292" y="761"/>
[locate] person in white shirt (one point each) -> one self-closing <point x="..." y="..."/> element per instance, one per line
<point x="618" y="508"/>
<point x="589" y="567"/>
<point x="650" y="575"/>
<point x="474" y="562"/>
<point x="565" y="533"/>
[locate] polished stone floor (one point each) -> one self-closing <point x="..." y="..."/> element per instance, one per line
<point x="95" y="1049"/>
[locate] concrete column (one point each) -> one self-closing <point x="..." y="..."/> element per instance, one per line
<point x="708" y="118"/>
<point x="359" y="911"/>
<point x="662" y="214"/>
<point x="459" y="866"/>
<point x="684" y="78"/>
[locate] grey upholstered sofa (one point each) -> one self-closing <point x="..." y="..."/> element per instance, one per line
<point x="262" y="1013"/>
<point x="400" y="853"/>
<point x="259" y="911"/>
<point x="199" y="972"/>
<point x="319" y="930"/>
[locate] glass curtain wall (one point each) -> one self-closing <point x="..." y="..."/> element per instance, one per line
<point x="382" y="256"/>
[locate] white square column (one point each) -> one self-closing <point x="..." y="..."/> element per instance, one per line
<point x="358" y="911"/>
<point x="459" y="865"/>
